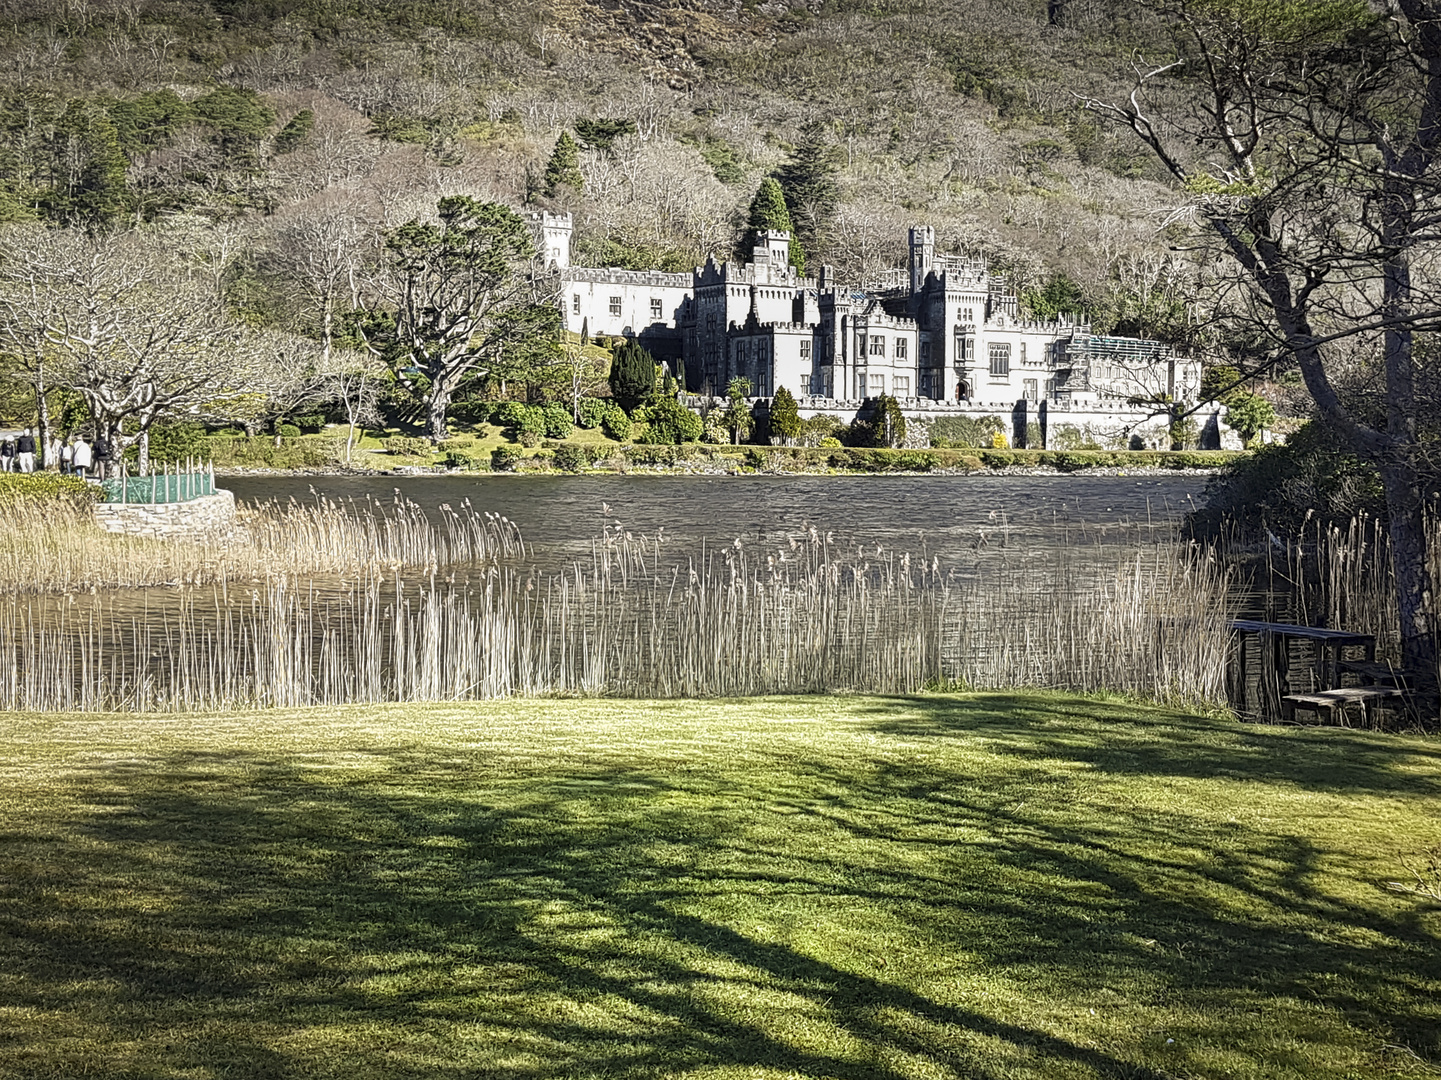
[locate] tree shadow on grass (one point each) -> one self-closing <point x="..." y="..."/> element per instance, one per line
<point x="1126" y="737"/>
<point x="243" y="915"/>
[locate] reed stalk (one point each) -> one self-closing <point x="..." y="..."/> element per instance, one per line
<point x="805" y="618"/>
<point x="56" y="547"/>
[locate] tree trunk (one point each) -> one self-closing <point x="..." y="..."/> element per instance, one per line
<point x="142" y="454"/>
<point x="1406" y="507"/>
<point x="42" y="411"/>
<point x="437" y="404"/>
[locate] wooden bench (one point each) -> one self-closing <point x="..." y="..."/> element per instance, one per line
<point x="1337" y="701"/>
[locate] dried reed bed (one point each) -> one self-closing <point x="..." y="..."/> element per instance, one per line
<point x="1344" y="577"/>
<point x="56" y="547"/>
<point x="808" y="618"/>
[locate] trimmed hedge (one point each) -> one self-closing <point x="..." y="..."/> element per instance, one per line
<point x="261" y="451"/>
<point x="406" y="446"/>
<point x="47" y="487"/>
<point x="875" y="460"/>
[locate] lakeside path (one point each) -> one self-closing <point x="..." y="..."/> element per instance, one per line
<point x="1030" y="886"/>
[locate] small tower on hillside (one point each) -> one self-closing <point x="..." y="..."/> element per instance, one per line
<point x="552" y="237"/>
<point x="923" y="255"/>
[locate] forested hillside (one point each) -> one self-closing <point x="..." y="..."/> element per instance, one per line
<point x="246" y="125"/>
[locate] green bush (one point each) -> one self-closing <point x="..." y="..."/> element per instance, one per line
<point x="508" y="414"/>
<point x="829" y="443"/>
<point x="1316" y="474"/>
<point x="963" y="432"/>
<point x="47" y="487"/>
<point x="174" y="441"/>
<point x="570" y="458"/>
<point x="311" y="423"/>
<point x="458" y="459"/>
<point x="472" y="410"/>
<point x="287" y="431"/>
<point x="668" y="421"/>
<point x="406" y="446"/>
<point x="816" y="430"/>
<point x="592" y="412"/>
<point x="616" y="424"/>
<point x="309" y="453"/>
<point x="558" y="422"/>
<point x="505" y="458"/>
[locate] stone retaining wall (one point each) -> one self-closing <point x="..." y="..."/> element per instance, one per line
<point x="166" y="521"/>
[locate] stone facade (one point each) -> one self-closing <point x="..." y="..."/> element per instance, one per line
<point x="207" y="515"/>
<point x="944" y="332"/>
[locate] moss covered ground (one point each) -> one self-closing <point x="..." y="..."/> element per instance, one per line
<point x="866" y="888"/>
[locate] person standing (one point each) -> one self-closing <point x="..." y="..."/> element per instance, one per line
<point x="25" y="452"/>
<point x="80" y="458"/>
<point x="7" y="454"/>
<point x="67" y="457"/>
<point x="101" y="454"/>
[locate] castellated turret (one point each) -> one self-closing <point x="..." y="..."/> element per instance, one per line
<point x="552" y="237"/>
<point x="923" y="255"/>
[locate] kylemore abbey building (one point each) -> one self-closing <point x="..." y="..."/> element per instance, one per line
<point x="945" y="338"/>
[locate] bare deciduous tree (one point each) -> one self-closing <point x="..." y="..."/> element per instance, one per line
<point x="1306" y="135"/>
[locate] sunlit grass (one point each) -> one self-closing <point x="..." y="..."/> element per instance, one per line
<point x="859" y="887"/>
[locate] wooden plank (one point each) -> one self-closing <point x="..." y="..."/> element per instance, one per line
<point x="1311" y="633"/>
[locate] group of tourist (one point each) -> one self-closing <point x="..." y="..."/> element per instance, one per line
<point x="73" y="458"/>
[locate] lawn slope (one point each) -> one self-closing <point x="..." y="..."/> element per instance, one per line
<point x="977" y="886"/>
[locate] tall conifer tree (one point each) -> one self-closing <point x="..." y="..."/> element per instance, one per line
<point x="768" y="212"/>
<point x="563" y="169"/>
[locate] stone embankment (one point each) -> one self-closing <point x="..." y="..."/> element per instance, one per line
<point x="207" y="515"/>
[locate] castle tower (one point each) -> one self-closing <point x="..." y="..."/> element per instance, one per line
<point x="552" y="237"/>
<point x="923" y="255"/>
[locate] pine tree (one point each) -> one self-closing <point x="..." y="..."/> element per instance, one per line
<point x="100" y="192"/>
<point x="811" y="191"/>
<point x="632" y="375"/>
<point x="563" y="169"/>
<point x="768" y="213"/>
<point x="785" y="418"/>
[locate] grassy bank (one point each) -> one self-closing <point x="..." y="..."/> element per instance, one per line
<point x="473" y="450"/>
<point x="935" y="886"/>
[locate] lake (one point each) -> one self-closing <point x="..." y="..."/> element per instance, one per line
<point x="955" y="517"/>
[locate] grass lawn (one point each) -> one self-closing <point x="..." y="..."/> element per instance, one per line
<point x="976" y="886"/>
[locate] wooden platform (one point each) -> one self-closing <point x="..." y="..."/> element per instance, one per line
<point x="1335" y="702"/>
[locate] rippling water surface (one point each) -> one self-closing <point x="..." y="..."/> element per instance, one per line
<point x="955" y="517"/>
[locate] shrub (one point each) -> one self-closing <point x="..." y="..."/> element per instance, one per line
<point x="529" y="439"/>
<point x="287" y="431"/>
<point x="785" y="418"/>
<point x="615" y="423"/>
<point x="829" y="443"/>
<point x="406" y="446"/>
<point x="290" y="454"/>
<point x="311" y="423"/>
<point x="964" y="432"/>
<point x="472" y="410"/>
<point x="458" y="459"/>
<point x="505" y="458"/>
<point x="558" y="423"/>
<point x="175" y="442"/>
<point x="816" y="430"/>
<point x="570" y="458"/>
<point x="592" y="412"/>
<point x="668" y="421"/>
<point x="508" y="414"/>
<point x="1315" y="474"/>
<point x="47" y="487"/>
